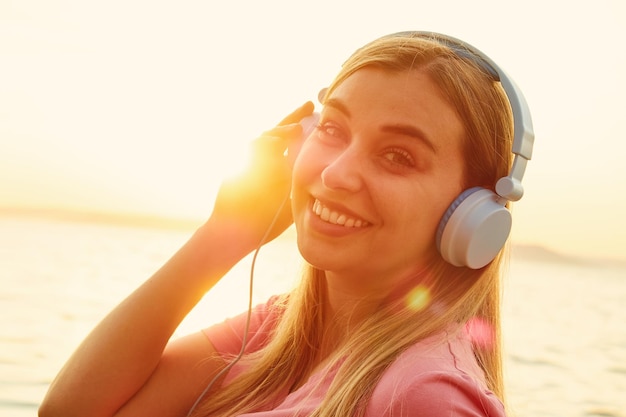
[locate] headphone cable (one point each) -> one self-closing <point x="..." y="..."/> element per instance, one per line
<point x="249" y="314"/>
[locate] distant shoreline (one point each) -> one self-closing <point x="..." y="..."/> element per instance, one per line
<point x="107" y="218"/>
<point x="533" y="252"/>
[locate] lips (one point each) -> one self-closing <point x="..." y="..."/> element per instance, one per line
<point x="335" y="217"/>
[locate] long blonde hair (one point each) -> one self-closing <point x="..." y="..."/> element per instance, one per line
<point x="454" y="295"/>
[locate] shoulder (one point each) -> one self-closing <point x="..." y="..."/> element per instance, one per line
<point x="436" y="377"/>
<point x="437" y="394"/>
<point x="227" y="336"/>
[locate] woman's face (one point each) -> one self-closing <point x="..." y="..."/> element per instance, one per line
<point x="371" y="184"/>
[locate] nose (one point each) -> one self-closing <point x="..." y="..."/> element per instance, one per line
<point x="344" y="172"/>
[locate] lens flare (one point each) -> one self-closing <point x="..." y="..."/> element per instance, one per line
<point x="418" y="298"/>
<point x="480" y="332"/>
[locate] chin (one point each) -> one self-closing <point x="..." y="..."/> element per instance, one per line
<point x="322" y="258"/>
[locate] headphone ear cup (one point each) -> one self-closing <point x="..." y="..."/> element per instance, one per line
<point x="473" y="229"/>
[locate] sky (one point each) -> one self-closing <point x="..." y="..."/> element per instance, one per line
<point x="143" y="106"/>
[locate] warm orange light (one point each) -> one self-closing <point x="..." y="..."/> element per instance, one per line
<point x="418" y="298"/>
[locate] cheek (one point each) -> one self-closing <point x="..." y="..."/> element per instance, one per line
<point x="307" y="166"/>
<point x="417" y="211"/>
<point x="306" y="171"/>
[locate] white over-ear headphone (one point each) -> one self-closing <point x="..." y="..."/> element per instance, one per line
<point x="477" y="224"/>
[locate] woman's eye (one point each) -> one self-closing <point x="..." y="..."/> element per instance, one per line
<point x="399" y="156"/>
<point x="330" y="132"/>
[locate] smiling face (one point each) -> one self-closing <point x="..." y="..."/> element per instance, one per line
<point x="372" y="182"/>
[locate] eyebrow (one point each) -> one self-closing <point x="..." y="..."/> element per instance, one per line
<point x="412" y="132"/>
<point x="396" y="129"/>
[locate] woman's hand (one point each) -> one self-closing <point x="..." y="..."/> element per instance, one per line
<point x="249" y="202"/>
<point x="121" y="366"/>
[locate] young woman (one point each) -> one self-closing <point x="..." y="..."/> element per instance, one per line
<point x="381" y="324"/>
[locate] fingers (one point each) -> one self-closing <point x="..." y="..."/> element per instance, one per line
<point x="277" y="139"/>
<point x="274" y="146"/>
<point x="255" y="197"/>
<point x="294" y="117"/>
<point x="284" y="131"/>
<point x="289" y="130"/>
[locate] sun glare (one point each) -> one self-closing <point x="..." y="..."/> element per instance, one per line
<point x="419" y="298"/>
<point x="235" y="163"/>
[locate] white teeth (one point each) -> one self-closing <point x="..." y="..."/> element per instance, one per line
<point x="334" y="217"/>
<point x="317" y="207"/>
<point x="325" y="214"/>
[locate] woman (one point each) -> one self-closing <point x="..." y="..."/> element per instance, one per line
<point x="381" y="323"/>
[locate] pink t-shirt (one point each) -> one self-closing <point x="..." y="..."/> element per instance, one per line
<point x="437" y="377"/>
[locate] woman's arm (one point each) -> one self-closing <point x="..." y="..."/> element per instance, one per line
<point x="121" y="354"/>
<point x="123" y="363"/>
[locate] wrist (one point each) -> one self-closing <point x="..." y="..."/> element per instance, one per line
<point x="228" y="240"/>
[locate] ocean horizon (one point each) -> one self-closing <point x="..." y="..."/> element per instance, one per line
<point x="563" y="315"/>
<point x="527" y="251"/>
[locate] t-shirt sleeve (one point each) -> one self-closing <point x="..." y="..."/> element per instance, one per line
<point x="441" y="394"/>
<point x="227" y="336"/>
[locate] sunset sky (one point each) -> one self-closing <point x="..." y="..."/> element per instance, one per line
<point x="143" y="106"/>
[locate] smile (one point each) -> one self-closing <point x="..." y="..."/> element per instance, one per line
<point x="334" y="217"/>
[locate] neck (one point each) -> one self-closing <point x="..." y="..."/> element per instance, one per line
<point x="351" y="299"/>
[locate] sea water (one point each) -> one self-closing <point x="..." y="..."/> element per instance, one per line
<point x="564" y="321"/>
